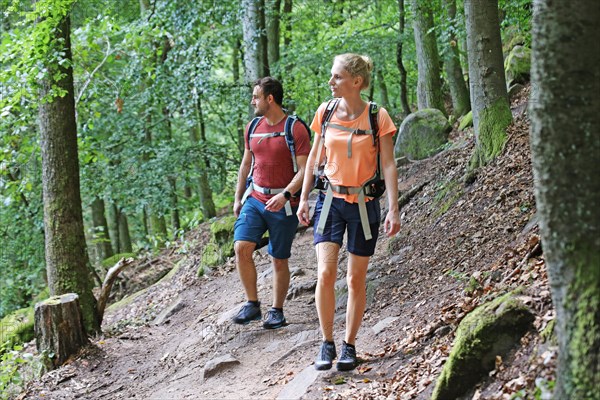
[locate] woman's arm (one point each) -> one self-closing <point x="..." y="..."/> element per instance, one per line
<point x="308" y="182"/>
<point x="390" y="175"/>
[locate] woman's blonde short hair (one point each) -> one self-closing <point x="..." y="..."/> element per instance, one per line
<point x="357" y="65"/>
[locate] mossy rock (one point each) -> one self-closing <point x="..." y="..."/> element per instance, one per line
<point x="517" y="65"/>
<point x="422" y="134"/>
<point x="466" y="121"/>
<point x="17" y="327"/>
<point x="491" y="329"/>
<point x="222" y="230"/>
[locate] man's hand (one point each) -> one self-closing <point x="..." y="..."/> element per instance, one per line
<point x="237" y="208"/>
<point x="275" y="203"/>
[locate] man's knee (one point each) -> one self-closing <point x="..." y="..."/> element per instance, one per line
<point x="280" y="264"/>
<point x="244" y="250"/>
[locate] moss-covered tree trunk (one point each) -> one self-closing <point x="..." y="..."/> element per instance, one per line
<point x="461" y="104"/>
<point x="400" y="63"/>
<point x="565" y="144"/>
<point x="66" y="253"/>
<point x="101" y="232"/>
<point x="489" y="100"/>
<point x="429" y="85"/>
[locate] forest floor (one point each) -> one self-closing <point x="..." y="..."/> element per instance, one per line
<point x="460" y="245"/>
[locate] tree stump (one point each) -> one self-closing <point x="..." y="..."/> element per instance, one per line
<point x="59" y="328"/>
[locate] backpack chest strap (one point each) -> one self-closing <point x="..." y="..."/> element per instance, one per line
<point x="353" y="131"/>
<point x="263" y="136"/>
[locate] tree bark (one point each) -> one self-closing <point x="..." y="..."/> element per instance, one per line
<point x="59" y="328"/>
<point x="382" y="89"/>
<point x="273" y="31"/>
<point x="489" y="100"/>
<point x="565" y="144"/>
<point x="124" y="236"/>
<point x="265" y="69"/>
<point x="429" y="85"/>
<point x="101" y="232"/>
<point x="400" y="63"/>
<point x="251" y="43"/>
<point x="66" y="254"/>
<point x="207" y="204"/>
<point x="461" y="103"/>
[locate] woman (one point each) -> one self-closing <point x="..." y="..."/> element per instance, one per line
<point x="351" y="160"/>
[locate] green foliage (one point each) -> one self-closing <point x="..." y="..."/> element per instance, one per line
<point x="17" y="368"/>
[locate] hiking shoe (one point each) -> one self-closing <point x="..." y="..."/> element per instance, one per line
<point x="274" y="319"/>
<point x="326" y="355"/>
<point x="347" y="360"/>
<point x="249" y="312"/>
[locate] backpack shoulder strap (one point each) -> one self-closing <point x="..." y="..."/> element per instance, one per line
<point x="328" y="113"/>
<point x="252" y="128"/>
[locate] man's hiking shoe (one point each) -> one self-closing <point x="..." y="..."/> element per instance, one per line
<point x="274" y="319"/>
<point x="347" y="360"/>
<point x="249" y="312"/>
<point x="326" y="355"/>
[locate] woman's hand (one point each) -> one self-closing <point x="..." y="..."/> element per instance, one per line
<point x="303" y="212"/>
<point x="391" y="226"/>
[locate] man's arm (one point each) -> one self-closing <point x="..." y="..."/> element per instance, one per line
<point x="277" y="202"/>
<point x="241" y="181"/>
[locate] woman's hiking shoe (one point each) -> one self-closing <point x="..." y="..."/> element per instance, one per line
<point x="326" y="355"/>
<point x="249" y="312"/>
<point x="274" y="319"/>
<point x="347" y="360"/>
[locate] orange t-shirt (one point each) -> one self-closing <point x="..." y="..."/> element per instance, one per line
<point x="357" y="169"/>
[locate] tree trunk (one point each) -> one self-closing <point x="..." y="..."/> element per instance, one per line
<point x="489" y="101"/>
<point x="273" y="31"/>
<point x="235" y="68"/>
<point x="565" y="144"/>
<point x="206" y="200"/>
<point x="251" y="43"/>
<point x="124" y="237"/>
<point x="461" y="103"/>
<point x="265" y="69"/>
<point x="113" y="226"/>
<point x="66" y="254"/>
<point x="429" y="85"/>
<point x="172" y="181"/>
<point x="59" y="328"/>
<point x="101" y="232"/>
<point x="400" y="63"/>
<point x="385" y="101"/>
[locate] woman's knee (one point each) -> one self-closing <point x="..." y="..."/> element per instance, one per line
<point x="356" y="283"/>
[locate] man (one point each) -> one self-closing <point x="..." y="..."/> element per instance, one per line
<point x="266" y="205"/>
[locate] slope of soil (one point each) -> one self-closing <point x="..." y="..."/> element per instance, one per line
<point x="460" y="245"/>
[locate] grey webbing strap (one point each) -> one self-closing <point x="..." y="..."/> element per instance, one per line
<point x="262" y="136"/>
<point x="318" y="160"/>
<point x="247" y="192"/>
<point x="362" y="208"/>
<point x="353" y="131"/>
<point x="253" y="186"/>
<point x="325" y="210"/>
<point x="288" y="208"/>
<point x="364" y="217"/>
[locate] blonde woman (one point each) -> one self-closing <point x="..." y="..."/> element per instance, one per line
<point x="350" y="152"/>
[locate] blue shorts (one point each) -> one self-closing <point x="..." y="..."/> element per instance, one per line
<point x="254" y="221"/>
<point x="344" y="215"/>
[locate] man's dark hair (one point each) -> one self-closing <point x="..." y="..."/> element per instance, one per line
<point x="271" y="86"/>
